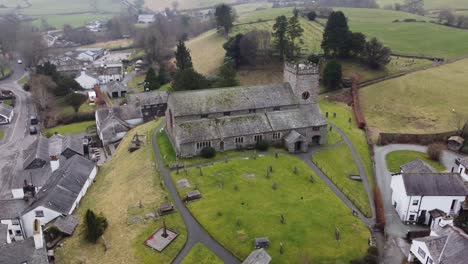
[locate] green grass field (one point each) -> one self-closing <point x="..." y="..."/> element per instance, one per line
<point x="75" y="128"/>
<point x="430" y="4"/>
<point x="422" y="102"/>
<point x="207" y="52"/>
<point x="397" y="158"/>
<point x="356" y="135"/>
<point x="2" y="134"/>
<point x="200" y="254"/>
<point x="78" y="20"/>
<point x="338" y="164"/>
<point x="67" y="110"/>
<point x="240" y="204"/>
<point x="125" y="239"/>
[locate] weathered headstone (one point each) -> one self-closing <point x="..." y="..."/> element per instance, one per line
<point x="282" y="219"/>
<point x="334" y="115"/>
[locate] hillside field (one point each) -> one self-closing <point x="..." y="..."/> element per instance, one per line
<point x="422" y="102"/>
<point x="430" y="4"/>
<point x="207" y="52"/>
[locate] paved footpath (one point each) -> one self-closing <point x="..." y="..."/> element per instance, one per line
<point x="195" y="232"/>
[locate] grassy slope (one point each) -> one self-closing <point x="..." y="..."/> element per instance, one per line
<point x="207" y="52"/>
<point x="165" y="146"/>
<point x="357" y="136"/>
<point x="200" y="254"/>
<point x="74" y="128"/>
<point x="308" y="232"/>
<point x="430" y="4"/>
<point x="421" y="102"/>
<point x="397" y="158"/>
<point x="125" y="241"/>
<point x="337" y="163"/>
<point x="78" y="20"/>
<point x="159" y="5"/>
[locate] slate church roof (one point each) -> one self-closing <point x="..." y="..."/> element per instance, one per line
<point x="148" y="98"/>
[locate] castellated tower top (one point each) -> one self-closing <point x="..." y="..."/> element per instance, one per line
<point x="302" y="68"/>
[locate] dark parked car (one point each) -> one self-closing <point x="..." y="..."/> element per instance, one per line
<point x="34" y="120"/>
<point x="32" y="130"/>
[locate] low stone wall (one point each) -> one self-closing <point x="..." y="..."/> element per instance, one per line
<point x="422" y="139"/>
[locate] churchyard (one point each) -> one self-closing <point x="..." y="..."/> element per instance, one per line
<point x="202" y="255"/>
<point x="241" y="200"/>
<point x="129" y="224"/>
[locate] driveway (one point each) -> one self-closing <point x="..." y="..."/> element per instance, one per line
<point x="16" y="136"/>
<point x="394" y="226"/>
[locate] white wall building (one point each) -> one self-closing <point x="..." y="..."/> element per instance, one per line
<point x="113" y="123"/>
<point x="6" y="113"/>
<point x="10" y="215"/>
<point x="146" y="18"/>
<point x="463" y="169"/>
<point x="86" y="81"/>
<point x="414" y="194"/>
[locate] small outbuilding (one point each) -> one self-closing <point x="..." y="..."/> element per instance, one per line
<point x="258" y="256"/>
<point x="262" y="242"/>
<point x="166" y="208"/>
<point x="6" y="113"/>
<point x="116" y="89"/>
<point x="455" y="142"/>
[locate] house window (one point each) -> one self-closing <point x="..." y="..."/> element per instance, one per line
<point x="239" y="140"/>
<point x="204" y="144"/>
<point x="276" y="108"/>
<point x="412" y="217"/>
<point x="227" y="113"/>
<point x="39" y="213"/>
<point x="415" y="202"/>
<point x="315" y="128"/>
<point x="18" y="233"/>
<point x="15" y="222"/>
<point x="204" y="116"/>
<point x="10" y="232"/>
<point x="276" y="135"/>
<point x="466" y="170"/>
<point x="252" y="111"/>
<point x="421" y="252"/>
<point x="257" y="138"/>
<point x="429" y="261"/>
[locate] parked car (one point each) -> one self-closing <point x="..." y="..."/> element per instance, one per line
<point x="34" y="120"/>
<point x="32" y="130"/>
<point x="20" y="62"/>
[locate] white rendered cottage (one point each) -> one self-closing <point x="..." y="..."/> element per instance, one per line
<point x="463" y="169"/>
<point x="6" y="113"/>
<point x="418" y="189"/>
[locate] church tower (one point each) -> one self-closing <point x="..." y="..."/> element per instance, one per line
<point x="304" y="80"/>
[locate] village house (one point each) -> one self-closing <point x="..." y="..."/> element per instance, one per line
<point x="10" y="217"/>
<point x="86" y="80"/>
<point x="29" y="251"/>
<point x="116" y="89"/>
<point x="146" y="18"/>
<point x="152" y="104"/>
<point x="89" y="54"/>
<point x="238" y="117"/>
<point x="6" y="113"/>
<point x="446" y="244"/>
<point x="113" y="123"/>
<point x="61" y="194"/>
<point x="418" y="189"/>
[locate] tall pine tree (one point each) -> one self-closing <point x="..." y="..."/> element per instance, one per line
<point x="95" y="226"/>
<point x="295" y="32"/>
<point x="336" y="36"/>
<point x="183" y="58"/>
<point x="151" y="81"/>
<point x="280" y="29"/>
<point x="227" y="74"/>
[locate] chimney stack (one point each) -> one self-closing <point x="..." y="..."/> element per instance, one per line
<point x="37" y="234"/>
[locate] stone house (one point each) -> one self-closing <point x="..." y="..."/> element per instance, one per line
<point x="238" y="117"/>
<point x="152" y="104"/>
<point x="116" y="89"/>
<point x="113" y="123"/>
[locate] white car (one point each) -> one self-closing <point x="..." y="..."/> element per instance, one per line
<point x="20" y="62"/>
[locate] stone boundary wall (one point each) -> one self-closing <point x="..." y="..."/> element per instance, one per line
<point x="422" y="139"/>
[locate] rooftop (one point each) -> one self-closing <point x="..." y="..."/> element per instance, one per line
<point x="434" y="184"/>
<point x="11" y="209"/>
<point x="449" y="247"/>
<point x="39" y="149"/>
<point x="5" y="109"/>
<point x="148" y="98"/>
<point x="417" y="166"/>
<point x="23" y="252"/>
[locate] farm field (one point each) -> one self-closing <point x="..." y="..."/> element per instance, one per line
<point x="423" y="102"/>
<point x="159" y="5"/>
<point x="79" y="20"/>
<point x="207" y="52"/>
<point x="239" y="203"/>
<point x="430" y="4"/>
<point x="124" y="237"/>
<point x="339" y="170"/>
<point x="397" y="158"/>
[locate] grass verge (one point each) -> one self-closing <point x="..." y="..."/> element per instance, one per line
<point x="75" y="128"/>
<point x="200" y="254"/>
<point x="397" y="158"/>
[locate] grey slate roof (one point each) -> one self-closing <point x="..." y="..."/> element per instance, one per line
<point x="39" y="149"/>
<point x="464" y="162"/>
<point x="417" y="166"/>
<point x="293" y="136"/>
<point x="73" y="143"/>
<point x="55" y="145"/>
<point x="5" y="110"/>
<point x="66" y="224"/>
<point x="434" y="184"/>
<point x="37" y="177"/>
<point x="116" y="87"/>
<point x="3" y="234"/>
<point x="11" y="209"/>
<point x="437" y="213"/>
<point x="23" y="252"/>
<point x="207" y="101"/>
<point x="148" y="98"/>
<point x="61" y="190"/>
<point x="124" y="112"/>
<point x="449" y="247"/>
<point x="258" y="256"/>
<point x="305" y="116"/>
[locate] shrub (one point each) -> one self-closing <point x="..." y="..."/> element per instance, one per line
<point x="332" y="75"/>
<point x="434" y="151"/>
<point x="95" y="226"/>
<point x="208" y="152"/>
<point x="262" y="145"/>
<point x="26" y="87"/>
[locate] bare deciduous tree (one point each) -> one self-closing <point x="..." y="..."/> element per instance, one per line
<point x="41" y="86"/>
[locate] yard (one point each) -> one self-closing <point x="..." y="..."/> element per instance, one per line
<point x="397" y="158"/>
<point x="125" y="235"/>
<point x="423" y="102"/>
<point x="239" y="203"/>
<point x="200" y="254"/>
<point x="67" y="110"/>
<point x="338" y="164"/>
<point x="357" y="136"/>
<point x="75" y="128"/>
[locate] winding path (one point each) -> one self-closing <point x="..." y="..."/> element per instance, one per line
<point x="195" y="232"/>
